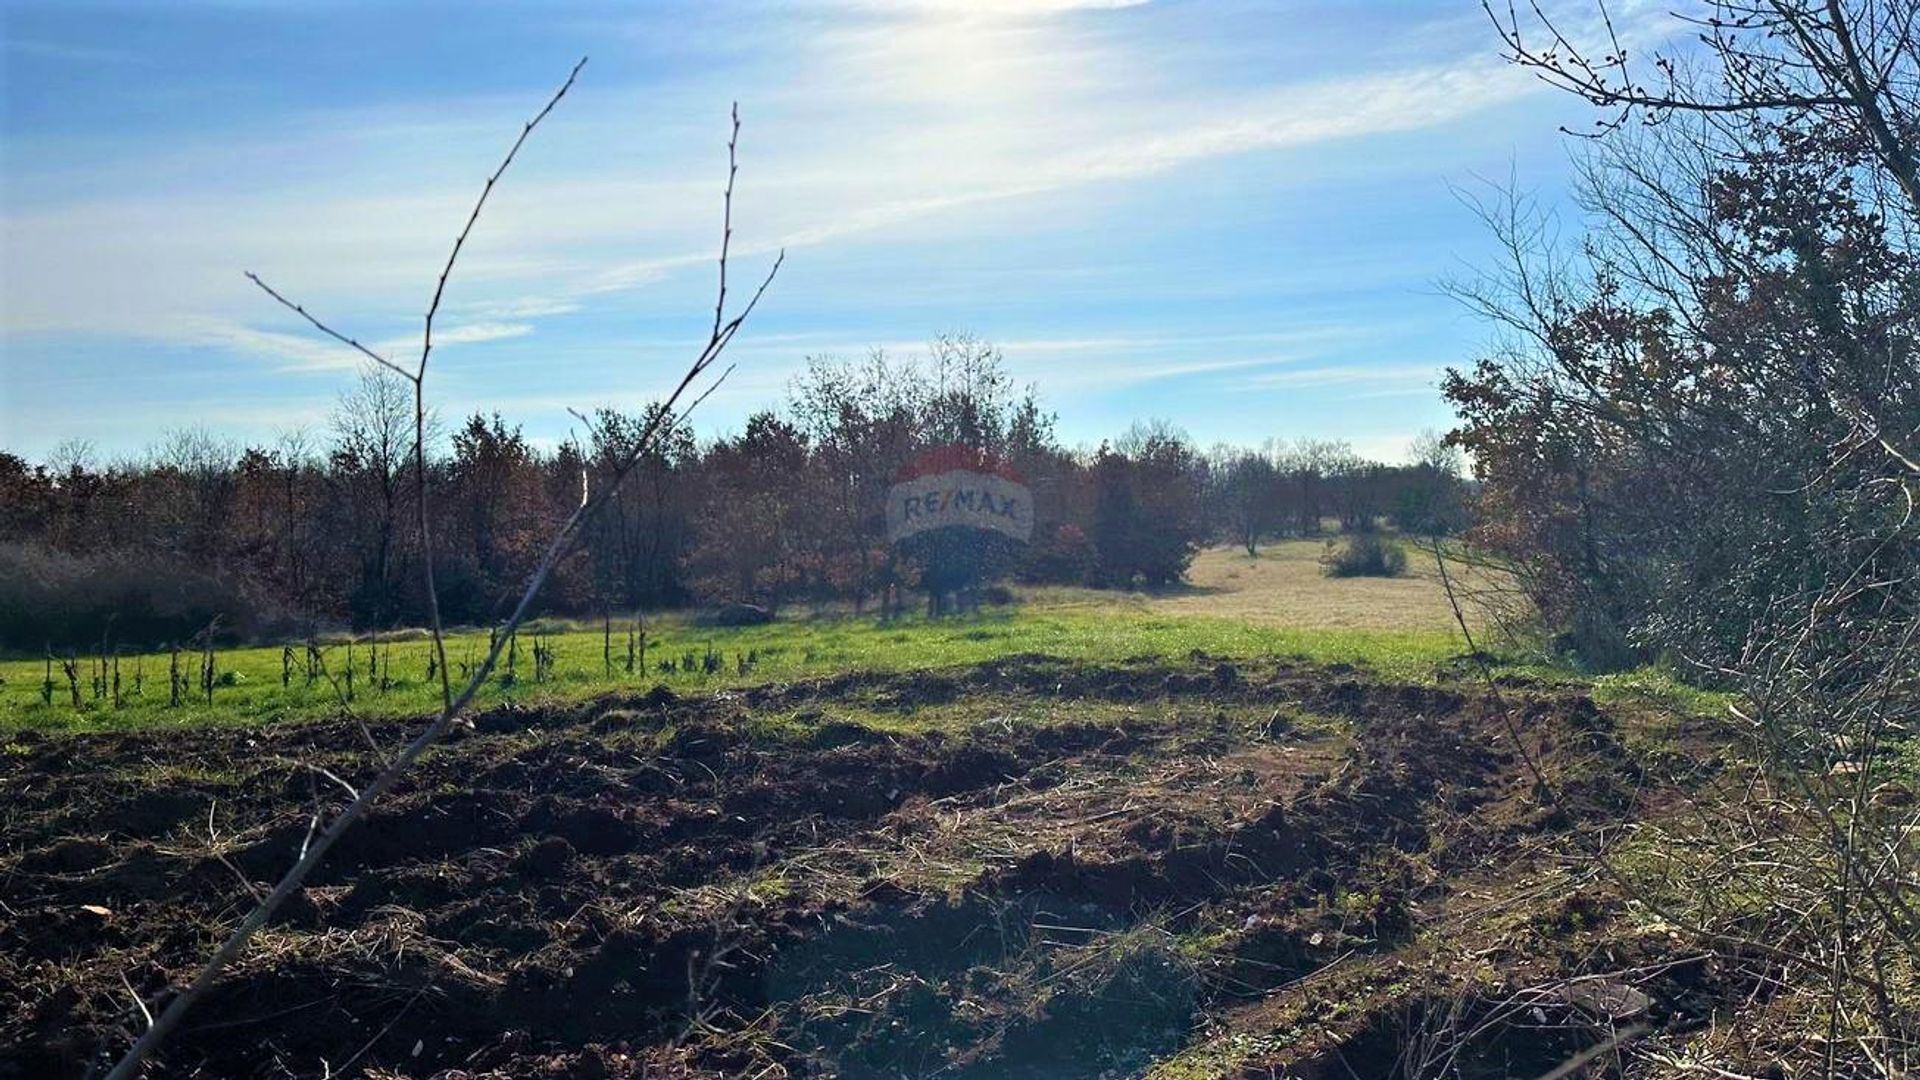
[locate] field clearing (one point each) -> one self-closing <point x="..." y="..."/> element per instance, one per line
<point x="1026" y="868"/>
<point x="1284" y="586"/>
<point x="1276" y="606"/>
<point x="1088" y="835"/>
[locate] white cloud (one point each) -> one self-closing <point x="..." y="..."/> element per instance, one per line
<point x="475" y="333"/>
<point x="54" y="50"/>
<point x="1061" y="114"/>
<point x="1408" y="376"/>
<point x="997" y="9"/>
<point x="525" y="307"/>
<point x="290" y="351"/>
<point x="308" y="351"/>
<point x="1081" y="364"/>
<point x="903" y="131"/>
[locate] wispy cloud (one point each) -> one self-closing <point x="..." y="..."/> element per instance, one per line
<point x="928" y="163"/>
<point x="992" y="8"/>
<point x="473" y="334"/>
<point x="298" y="351"/>
<point x="290" y="351"/>
<point x="524" y="307"/>
<point x="1407" y="375"/>
<point x="54" y="50"/>
<point x="553" y="243"/>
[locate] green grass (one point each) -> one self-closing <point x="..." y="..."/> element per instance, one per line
<point x="1657" y="686"/>
<point x="785" y="650"/>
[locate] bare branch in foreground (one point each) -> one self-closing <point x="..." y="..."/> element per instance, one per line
<point x="328" y="330"/>
<point x="453" y="704"/>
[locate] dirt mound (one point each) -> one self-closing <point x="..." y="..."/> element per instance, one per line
<point x="674" y="886"/>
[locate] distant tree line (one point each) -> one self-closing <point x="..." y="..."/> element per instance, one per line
<point x="273" y="539"/>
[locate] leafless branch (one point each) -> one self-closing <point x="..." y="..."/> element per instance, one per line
<point x="328" y="330"/>
<point x="453" y="704"/>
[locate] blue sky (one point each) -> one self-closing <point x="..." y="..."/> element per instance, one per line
<point x="1230" y="215"/>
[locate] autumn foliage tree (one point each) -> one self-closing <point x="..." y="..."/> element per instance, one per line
<point x="1700" y="443"/>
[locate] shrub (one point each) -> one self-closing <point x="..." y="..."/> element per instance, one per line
<point x="52" y="599"/>
<point x="1061" y="556"/>
<point x="1146" y="520"/>
<point x="1364" y="555"/>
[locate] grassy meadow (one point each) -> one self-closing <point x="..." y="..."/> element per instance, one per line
<point x="1275" y="605"/>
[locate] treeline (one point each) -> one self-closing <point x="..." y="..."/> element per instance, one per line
<point x="273" y="539"/>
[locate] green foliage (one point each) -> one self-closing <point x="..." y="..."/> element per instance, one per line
<point x="1147" y="513"/>
<point x="1659" y="686"/>
<point x="1364" y="554"/>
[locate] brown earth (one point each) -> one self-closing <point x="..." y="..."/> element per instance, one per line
<point x="1023" y="869"/>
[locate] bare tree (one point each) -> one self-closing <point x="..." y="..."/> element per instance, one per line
<point x="294" y="456"/>
<point x="71" y="456"/>
<point x="201" y="464"/>
<point x="372" y="431"/>
<point x="1851" y="65"/>
<point x="454" y="702"/>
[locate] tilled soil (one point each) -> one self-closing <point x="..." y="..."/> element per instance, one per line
<point x="1020" y="869"/>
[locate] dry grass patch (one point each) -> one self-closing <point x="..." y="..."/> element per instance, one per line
<point x="1284" y="586"/>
